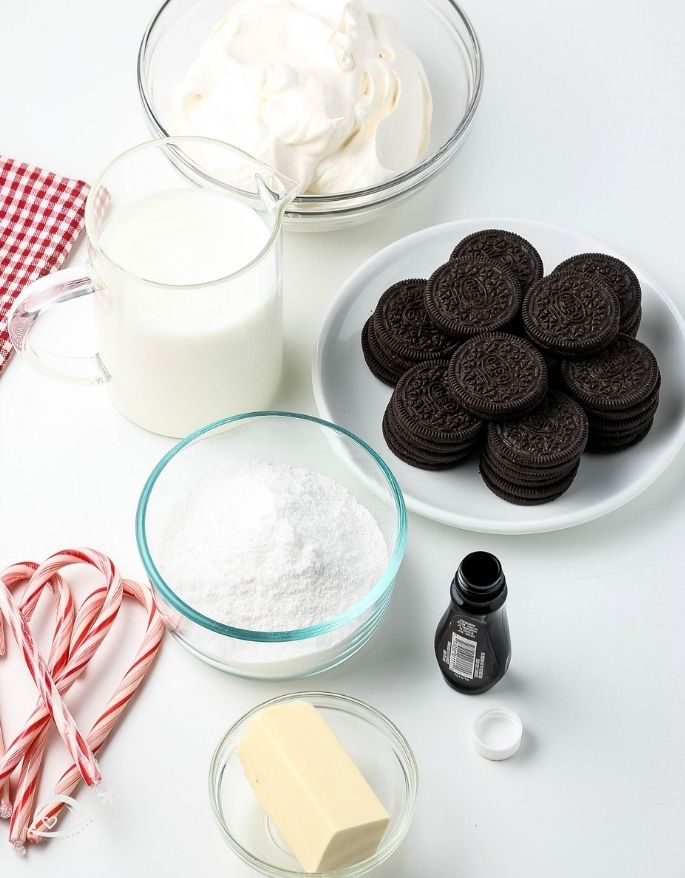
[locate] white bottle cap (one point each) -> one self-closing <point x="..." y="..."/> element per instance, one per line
<point x="497" y="733"/>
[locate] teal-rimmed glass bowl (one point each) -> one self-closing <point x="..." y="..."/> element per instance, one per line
<point x="295" y="440"/>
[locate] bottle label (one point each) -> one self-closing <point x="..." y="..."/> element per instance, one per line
<point x="462" y="656"/>
<point x="464" y="650"/>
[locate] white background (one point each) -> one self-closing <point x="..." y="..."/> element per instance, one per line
<point x="582" y="123"/>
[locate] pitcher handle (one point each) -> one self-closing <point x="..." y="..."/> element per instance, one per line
<point x="54" y="289"/>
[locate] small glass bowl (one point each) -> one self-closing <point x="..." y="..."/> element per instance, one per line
<point x="284" y="438"/>
<point x="438" y="31"/>
<point x="379" y="749"/>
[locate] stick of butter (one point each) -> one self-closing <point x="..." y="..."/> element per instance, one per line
<point x="308" y="784"/>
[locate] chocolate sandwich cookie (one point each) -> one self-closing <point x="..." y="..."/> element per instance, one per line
<point x="616" y="435"/>
<point x="424" y="408"/>
<point x="599" y="424"/>
<point x="571" y="314"/>
<point x="376" y="368"/>
<point x="611" y="445"/>
<point x="533" y="495"/>
<point x="465" y="297"/>
<point x="418" y="441"/>
<point x="403" y="329"/>
<point x="422" y="426"/>
<point x="523" y="476"/>
<point x="631" y="413"/>
<point x="619" y="436"/>
<point x="553" y="435"/>
<point x="619" y="379"/>
<point x="618" y="277"/>
<point x="391" y="363"/>
<point x="497" y="375"/>
<point x="510" y="250"/>
<point x="417" y="457"/>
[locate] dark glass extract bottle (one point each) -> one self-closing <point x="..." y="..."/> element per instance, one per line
<point x="472" y="643"/>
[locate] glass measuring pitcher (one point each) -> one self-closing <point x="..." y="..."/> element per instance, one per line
<point x="184" y="266"/>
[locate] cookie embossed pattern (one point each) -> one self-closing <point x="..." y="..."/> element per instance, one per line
<point x="618" y="276"/>
<point x="555" y="433"/>
<point x="571" y="314"/>
<point x="497" y="376"/>
<point x="507" y="248"/>
<point x="403" y="328"/>
<point x="465" y="297"/>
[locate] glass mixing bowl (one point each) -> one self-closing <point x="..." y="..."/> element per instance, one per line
<point x="379" y="749"/>
<point x="439" y="32"/>
<point x="283" y="438"/>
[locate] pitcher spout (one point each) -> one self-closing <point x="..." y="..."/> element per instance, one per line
<point x="278" y="192"/>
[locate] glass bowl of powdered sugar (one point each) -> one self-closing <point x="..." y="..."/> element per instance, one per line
<point x="272" y="540"/>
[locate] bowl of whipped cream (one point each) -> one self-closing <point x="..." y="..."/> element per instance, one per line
<point x="360" y="103"/>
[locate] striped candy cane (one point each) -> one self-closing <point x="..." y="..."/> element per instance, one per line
<point x="31" y="765"/>
<point x="85" y="642"/>
<point x="5" y="798"/>
<point x="49" y="693"/>
<point x="18" y="574"/>
<point x="103" y="726"/>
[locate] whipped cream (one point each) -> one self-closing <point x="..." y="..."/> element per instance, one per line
<point x="322" y="90"/>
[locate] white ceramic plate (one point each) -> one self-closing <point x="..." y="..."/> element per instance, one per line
<point x="348" y="394"/>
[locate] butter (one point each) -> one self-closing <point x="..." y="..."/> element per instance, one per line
<point x="308" y="784"/>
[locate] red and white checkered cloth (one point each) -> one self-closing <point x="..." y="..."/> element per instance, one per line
<point x="41" y="215"/>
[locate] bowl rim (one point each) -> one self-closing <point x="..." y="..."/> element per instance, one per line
<point x="363" y="711"/>
<point x="430" y="163"/>
<point x="294" y="634"/>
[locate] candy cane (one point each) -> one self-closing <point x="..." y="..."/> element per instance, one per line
<point x="103" y="726"/>
<point x="50" y="695"/>
<point x="5" y="798"/>
<point x="31" y="765"/>
<point x="84" y="646"/>
<point x="19" y="574"/>
<point x="88" y="611"/>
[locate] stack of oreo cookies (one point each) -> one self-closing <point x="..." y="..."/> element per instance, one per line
<point x="399" y="334"/>
<point x="489" y="338"/>
<point x="423" y="427"/>
<point x="618" y="277"/>
<point x="571" y="314"/>
<point x="619" y="390"/>
<point x="534" y="459"/>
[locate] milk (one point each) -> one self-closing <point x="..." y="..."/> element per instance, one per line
<point x="184" y="345"/>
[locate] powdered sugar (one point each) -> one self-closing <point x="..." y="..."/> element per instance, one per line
<point x="269" y="547"/>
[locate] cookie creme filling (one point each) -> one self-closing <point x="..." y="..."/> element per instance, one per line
<point x="322" y="90"/>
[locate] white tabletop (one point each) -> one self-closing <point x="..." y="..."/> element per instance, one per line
<point x="582" y="124"/>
